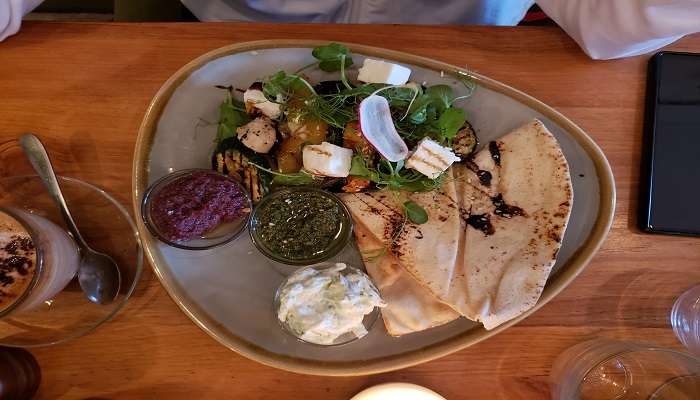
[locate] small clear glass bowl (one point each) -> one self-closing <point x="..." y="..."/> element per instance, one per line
<point x="222" y="234"/>
<point x="368" y="321"/>
<point x="337" y="244"/>
<point x="107" y="226"/>
<point x="685" y="319"/>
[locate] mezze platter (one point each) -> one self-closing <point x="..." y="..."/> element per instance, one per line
<point x="529" y="151"/>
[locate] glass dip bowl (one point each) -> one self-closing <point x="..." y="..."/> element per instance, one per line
<point x="300" y="226"/>
<point x="324" y="303"/>
<point x="201" y="201"/>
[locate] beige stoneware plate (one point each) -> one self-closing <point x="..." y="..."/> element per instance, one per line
<point x="229" y="291"/>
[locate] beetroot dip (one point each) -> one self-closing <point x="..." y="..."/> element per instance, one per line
<point x="194" y="204"/>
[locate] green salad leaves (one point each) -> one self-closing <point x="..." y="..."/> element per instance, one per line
<point x="451" y="121"/>
<point x="231" y="115"/>
<point x="280" y="86"/>
<point x="300" y="178"/>
<point x="418" y="110"/>
<point x="393" y="176"/>
<point x="432" y="115"/>
<point x="415" y="213"/>
<point x="332" y="57"/>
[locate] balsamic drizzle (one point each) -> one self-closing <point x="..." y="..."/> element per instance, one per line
<point x="504" y="210"/>
<point x="495" y="152"/>
<point x="484" y="176"/>
<point x="481" y="222"/>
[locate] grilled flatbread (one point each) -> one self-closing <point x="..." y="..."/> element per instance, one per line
<point x="386" y="240"/>
<point x="492" y="237"/>
<point x="411" y="307"/>
<point x="514" y="227"/>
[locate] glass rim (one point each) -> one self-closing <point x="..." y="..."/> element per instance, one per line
<point x="373" y="315"/>
<point x="633" y="347"/>
<point x="344" y="233"/>
<point x="684" y="311"/>
<point x="158" y="184"/>
<point x="39" y="263"/>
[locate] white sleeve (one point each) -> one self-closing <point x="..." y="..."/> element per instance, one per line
<point x="11" y="13"/>
<point x="608" y="29"/>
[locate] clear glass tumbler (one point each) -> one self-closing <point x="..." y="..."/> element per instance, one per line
<point x="604" y="369"/>
<point x="685" y="319"/>
<point x="45" y="304"/>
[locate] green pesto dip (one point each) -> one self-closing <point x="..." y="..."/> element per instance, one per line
<point x="299" y="225"/>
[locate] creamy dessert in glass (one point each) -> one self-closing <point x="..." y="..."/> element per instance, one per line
<point x="37" y="260"/>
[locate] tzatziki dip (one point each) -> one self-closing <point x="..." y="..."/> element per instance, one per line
<point x="320" y="304"/>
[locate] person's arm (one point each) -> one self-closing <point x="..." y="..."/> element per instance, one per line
<point x="608" y="29"/>
<point x="11" y="13"/>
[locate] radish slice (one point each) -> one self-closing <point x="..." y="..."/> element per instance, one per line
<point x="378" y="128"/>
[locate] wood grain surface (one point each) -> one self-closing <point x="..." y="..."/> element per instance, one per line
<point x="84" y="89"/>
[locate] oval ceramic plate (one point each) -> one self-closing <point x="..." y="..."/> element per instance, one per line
<point x="229" y="291"/>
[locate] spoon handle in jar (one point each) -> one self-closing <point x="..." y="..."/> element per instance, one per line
<point x="39" y="158"/>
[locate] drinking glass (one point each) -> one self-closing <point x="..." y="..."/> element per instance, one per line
<point x="605" y="369"/>
<point x="685" y="319"/>
<point x="53" y="265"/>
<point x="54" y="308"/>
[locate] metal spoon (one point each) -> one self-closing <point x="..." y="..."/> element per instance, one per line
<point x="98" y="273"/>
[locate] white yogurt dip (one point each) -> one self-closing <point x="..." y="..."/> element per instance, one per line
<point x="320" y="305"/>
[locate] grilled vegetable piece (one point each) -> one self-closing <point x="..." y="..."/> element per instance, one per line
<point x="296" y="134"/>
<point x="233" y="163"/>
<point x="258" y="135"/>
<point x="465" y="142"/>
<point x="218" y="163"/>
<point x="355" y="184"/>
<point x="329" y="87"/>
<point x="353" y="140"/>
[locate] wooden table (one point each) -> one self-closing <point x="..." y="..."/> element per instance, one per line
<point x="84" y="88"/>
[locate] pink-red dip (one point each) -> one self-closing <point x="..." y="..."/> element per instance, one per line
<point x="196" y="203"/>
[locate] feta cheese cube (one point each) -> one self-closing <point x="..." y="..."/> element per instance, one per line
<point x="254" y="98"/>
<point x="258" y="135"/>
<point x="431" y="159"/>
<point x="376" y="71"/>
<point x="327" y="159"/>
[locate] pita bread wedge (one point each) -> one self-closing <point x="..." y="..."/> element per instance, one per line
<point x="514" y="223"/>
<point x="410" y="306"/>
<point x="386" y="241"/>
<point x="491" y="239"/>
